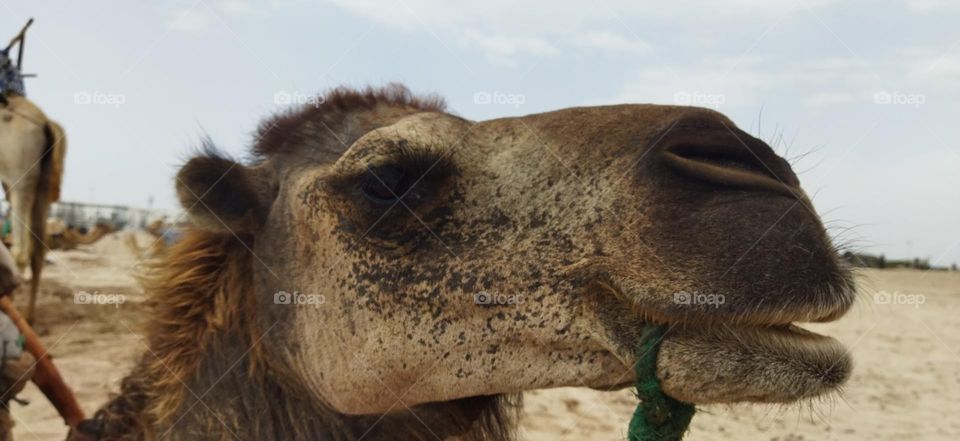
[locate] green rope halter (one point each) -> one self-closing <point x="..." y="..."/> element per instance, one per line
<point x="658" y="417"/>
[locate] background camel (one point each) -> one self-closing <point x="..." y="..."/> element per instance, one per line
<point x="32" y="151"/>
<point x="386" y="270"/>
<point x="69" y="237"/>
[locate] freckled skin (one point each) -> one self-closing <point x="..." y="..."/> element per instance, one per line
<point x="571" y="217"/>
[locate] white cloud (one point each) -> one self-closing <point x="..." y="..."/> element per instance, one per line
<point x="610" y="42"/>
<point x="502" y="47"/>
<point x="935" y="71"/>
<point x="708" y="87"/>
<point x="494" y="25"/>
<point x="926" y="6"/>
<point x="551" y="15"/>
<point x="827" y="99"/>
<point x="198" y="18"/>
<point x="243" y="7"/>
<point x="724" y="83"/>
<point x="190" y="20"/>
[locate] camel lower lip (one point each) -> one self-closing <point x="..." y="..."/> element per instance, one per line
<point x="774" y="364"/>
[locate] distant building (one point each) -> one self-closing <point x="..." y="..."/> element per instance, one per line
<point x="85" y="216"/>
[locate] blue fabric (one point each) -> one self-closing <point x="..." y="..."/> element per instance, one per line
<point x="11" y="342"/>
<point x="11" y="82"/>
<point x="171" y="236"/>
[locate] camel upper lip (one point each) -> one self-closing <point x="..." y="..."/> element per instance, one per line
<point x="775" y="318"/>
<point x="732" y="166"/>
<point x="831" y="306"/>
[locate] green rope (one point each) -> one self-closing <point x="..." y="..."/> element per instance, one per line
<point x="658" y="417"/>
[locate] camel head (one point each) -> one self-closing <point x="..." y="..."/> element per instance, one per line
<point x="405" y="255"/>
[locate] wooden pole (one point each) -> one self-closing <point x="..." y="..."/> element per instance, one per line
<point x="19" y="37"/>
<point x="23" y="39"/>
<point x="45" y="376"/>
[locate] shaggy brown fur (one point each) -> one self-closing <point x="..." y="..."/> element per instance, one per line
<point x="202" y="303"/>
<point x="287" y="129"/>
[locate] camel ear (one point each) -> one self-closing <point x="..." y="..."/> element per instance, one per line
<point x="222" y="195"/>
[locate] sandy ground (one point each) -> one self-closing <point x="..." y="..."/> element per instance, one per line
<point x="904" y="336"/>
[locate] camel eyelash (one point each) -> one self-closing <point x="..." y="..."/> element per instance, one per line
<point x="422" y="160"/>
<point x="416" y="172"/>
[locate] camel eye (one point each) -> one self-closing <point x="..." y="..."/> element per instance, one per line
<point x="385" y="185"/>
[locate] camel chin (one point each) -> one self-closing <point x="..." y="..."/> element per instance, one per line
<point x="765" y="364"/>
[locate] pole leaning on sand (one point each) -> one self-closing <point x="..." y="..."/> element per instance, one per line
<point x="45" y="376"/>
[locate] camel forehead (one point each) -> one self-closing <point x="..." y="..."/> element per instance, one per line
<point x="605" y="128"/>
<point x="600" y="117"/>
<point x="425" y="125"/>
<point x="585" y="119"/>
<point x="588" y="136"/>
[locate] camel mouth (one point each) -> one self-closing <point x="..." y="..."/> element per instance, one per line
<point x="728" y="357"/>
<point x="765" y="364"/>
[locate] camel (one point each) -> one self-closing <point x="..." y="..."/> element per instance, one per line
<point x="32" y="151"/>
<point x="71" y="237"/>
<point x="154" y="248"/>
<point x="382" y="269"/>
<point x="163" y="235"/>
<point x="157" y="228"/>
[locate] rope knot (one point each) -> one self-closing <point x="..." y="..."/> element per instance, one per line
<point x="658" y="417"/>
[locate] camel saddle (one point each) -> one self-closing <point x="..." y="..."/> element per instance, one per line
<point x="11" y="80"/>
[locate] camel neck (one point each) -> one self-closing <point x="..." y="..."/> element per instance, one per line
<point x="228" y="398"/>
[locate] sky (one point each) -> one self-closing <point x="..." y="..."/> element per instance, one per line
<point x="863" y="96"/>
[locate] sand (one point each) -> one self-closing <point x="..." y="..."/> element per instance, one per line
<point x="904" y="336"/>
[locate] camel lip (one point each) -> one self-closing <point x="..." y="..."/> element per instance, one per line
<point x="779" y="320"/>
<point x="786" y="333"/>
<point x="761" y="335"/>
<point x="819" y="362"/>
<point x="829" y="308"/>
<point x="796" y="364"/>
<point x="703" y="361"/>
<point x="614" y="386"/>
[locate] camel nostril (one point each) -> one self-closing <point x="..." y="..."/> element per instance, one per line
<point x="735" y="166"/>
<point x="713" y="151"/>
<point x="727" y="160"/>
<point x="734" y="158"/>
